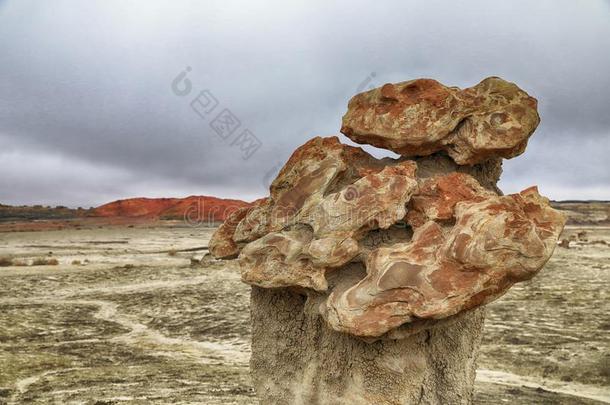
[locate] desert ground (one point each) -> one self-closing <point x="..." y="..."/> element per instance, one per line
<point x="131" y="315"/>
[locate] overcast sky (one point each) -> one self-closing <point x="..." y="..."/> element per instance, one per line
<point x="88" y="113"/>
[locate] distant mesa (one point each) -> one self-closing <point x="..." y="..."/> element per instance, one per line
<point x="201" y="207"/>
<point x="196" y="210"/>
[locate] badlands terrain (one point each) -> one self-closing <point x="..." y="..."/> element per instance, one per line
<point x="131" y="314"/>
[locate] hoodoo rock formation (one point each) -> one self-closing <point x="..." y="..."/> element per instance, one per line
<point x="369" y="275"/>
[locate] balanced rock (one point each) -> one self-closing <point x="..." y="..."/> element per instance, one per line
<point x="420" y="117"/>
<point x="369" y="276"/>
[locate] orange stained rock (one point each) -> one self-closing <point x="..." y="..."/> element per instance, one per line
<point x="495" y="118"/>
<point x="387" y="247"/>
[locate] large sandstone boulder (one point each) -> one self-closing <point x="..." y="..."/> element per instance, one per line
<point x="421" y="117"/>
<point x="361" y="266"/>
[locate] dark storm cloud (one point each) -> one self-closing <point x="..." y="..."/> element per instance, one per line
<point x="87" y="112"/>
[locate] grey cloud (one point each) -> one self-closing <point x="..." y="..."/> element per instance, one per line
<point x="89" y="83"/>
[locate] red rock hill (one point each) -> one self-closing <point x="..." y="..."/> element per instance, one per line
<point x="193" y="208"/>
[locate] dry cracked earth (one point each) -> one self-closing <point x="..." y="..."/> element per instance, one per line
<point x="137" y="322"/>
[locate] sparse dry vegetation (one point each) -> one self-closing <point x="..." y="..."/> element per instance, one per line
<point x="6" y="261"/>
<point x="26" y="213"/>
<point x="19" y="262"/>
<point x="43" y="261"/>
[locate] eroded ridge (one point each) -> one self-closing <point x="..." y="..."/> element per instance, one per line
<point x="432" y="244"/>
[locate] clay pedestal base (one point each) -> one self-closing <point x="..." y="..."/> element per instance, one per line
<point x="297" y="359"/>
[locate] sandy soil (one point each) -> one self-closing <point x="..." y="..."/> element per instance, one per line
<point x="136" y="322"/>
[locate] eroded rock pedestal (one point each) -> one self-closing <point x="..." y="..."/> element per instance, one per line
<point x="297" y="359"/>
<point x="369" y="275"/>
